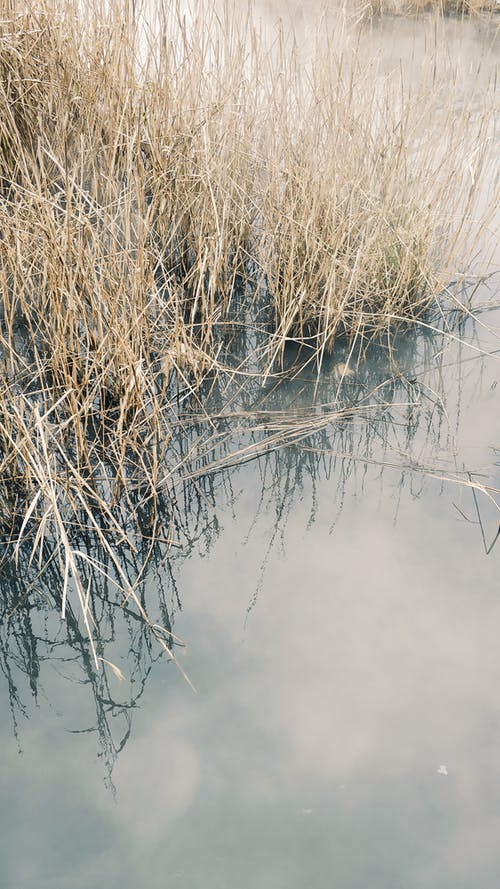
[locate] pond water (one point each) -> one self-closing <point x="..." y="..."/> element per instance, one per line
<point x="340" y="618"/>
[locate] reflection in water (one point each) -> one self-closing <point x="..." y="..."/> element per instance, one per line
<point x="366" y="415"/>
<point x="342" y="617"/>
<point x="32" y="633"/>
<point x="342" y="622"/>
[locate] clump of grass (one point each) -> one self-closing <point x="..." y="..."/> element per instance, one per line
<point x="370" y="209"/>
<point x="153" y="168"/>
<point x="444" y="7"/>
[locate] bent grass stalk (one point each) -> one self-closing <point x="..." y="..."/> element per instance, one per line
<point x="154" y="167"/>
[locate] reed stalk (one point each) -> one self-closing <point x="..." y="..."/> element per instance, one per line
<point x="166" y="179"/>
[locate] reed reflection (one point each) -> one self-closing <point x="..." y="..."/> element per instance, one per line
<point x="305" y="435"/>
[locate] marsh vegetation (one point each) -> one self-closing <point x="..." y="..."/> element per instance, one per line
<point x="185" y="198"/>
<point x="446" y="7"/>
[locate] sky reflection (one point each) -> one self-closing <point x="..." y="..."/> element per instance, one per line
<point x="346" y="724"/>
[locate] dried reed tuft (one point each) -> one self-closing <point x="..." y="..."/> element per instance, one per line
<point x="368" y="8"/>
<point x="153" y="168"/>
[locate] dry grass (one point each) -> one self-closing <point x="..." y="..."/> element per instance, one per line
<point x="153" y="169"/>
<point x="371" y="209"/>
<point x="415" y="7"/>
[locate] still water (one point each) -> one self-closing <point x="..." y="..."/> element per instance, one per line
<point x="340" y="619"/>
<point x="342" y="622"/>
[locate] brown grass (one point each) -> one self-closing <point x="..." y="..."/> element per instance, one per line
<point x="415" y="7"/>
<point x="153" y="170"/>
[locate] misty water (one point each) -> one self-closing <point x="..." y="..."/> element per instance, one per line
<point x="341" y="621"/>
<point x="337" y="613"/>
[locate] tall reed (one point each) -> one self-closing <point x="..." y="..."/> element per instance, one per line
<point x="154" y="167"/>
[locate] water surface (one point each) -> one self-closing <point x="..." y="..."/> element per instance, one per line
<point x="341" y="620"/>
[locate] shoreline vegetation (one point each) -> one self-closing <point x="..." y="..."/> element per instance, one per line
<point x="181" y="198"/>
<point x="416" y="7"/>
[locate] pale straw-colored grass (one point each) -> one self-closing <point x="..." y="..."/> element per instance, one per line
<point x="447" y="7"/>
<point x="155" y="167"/>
